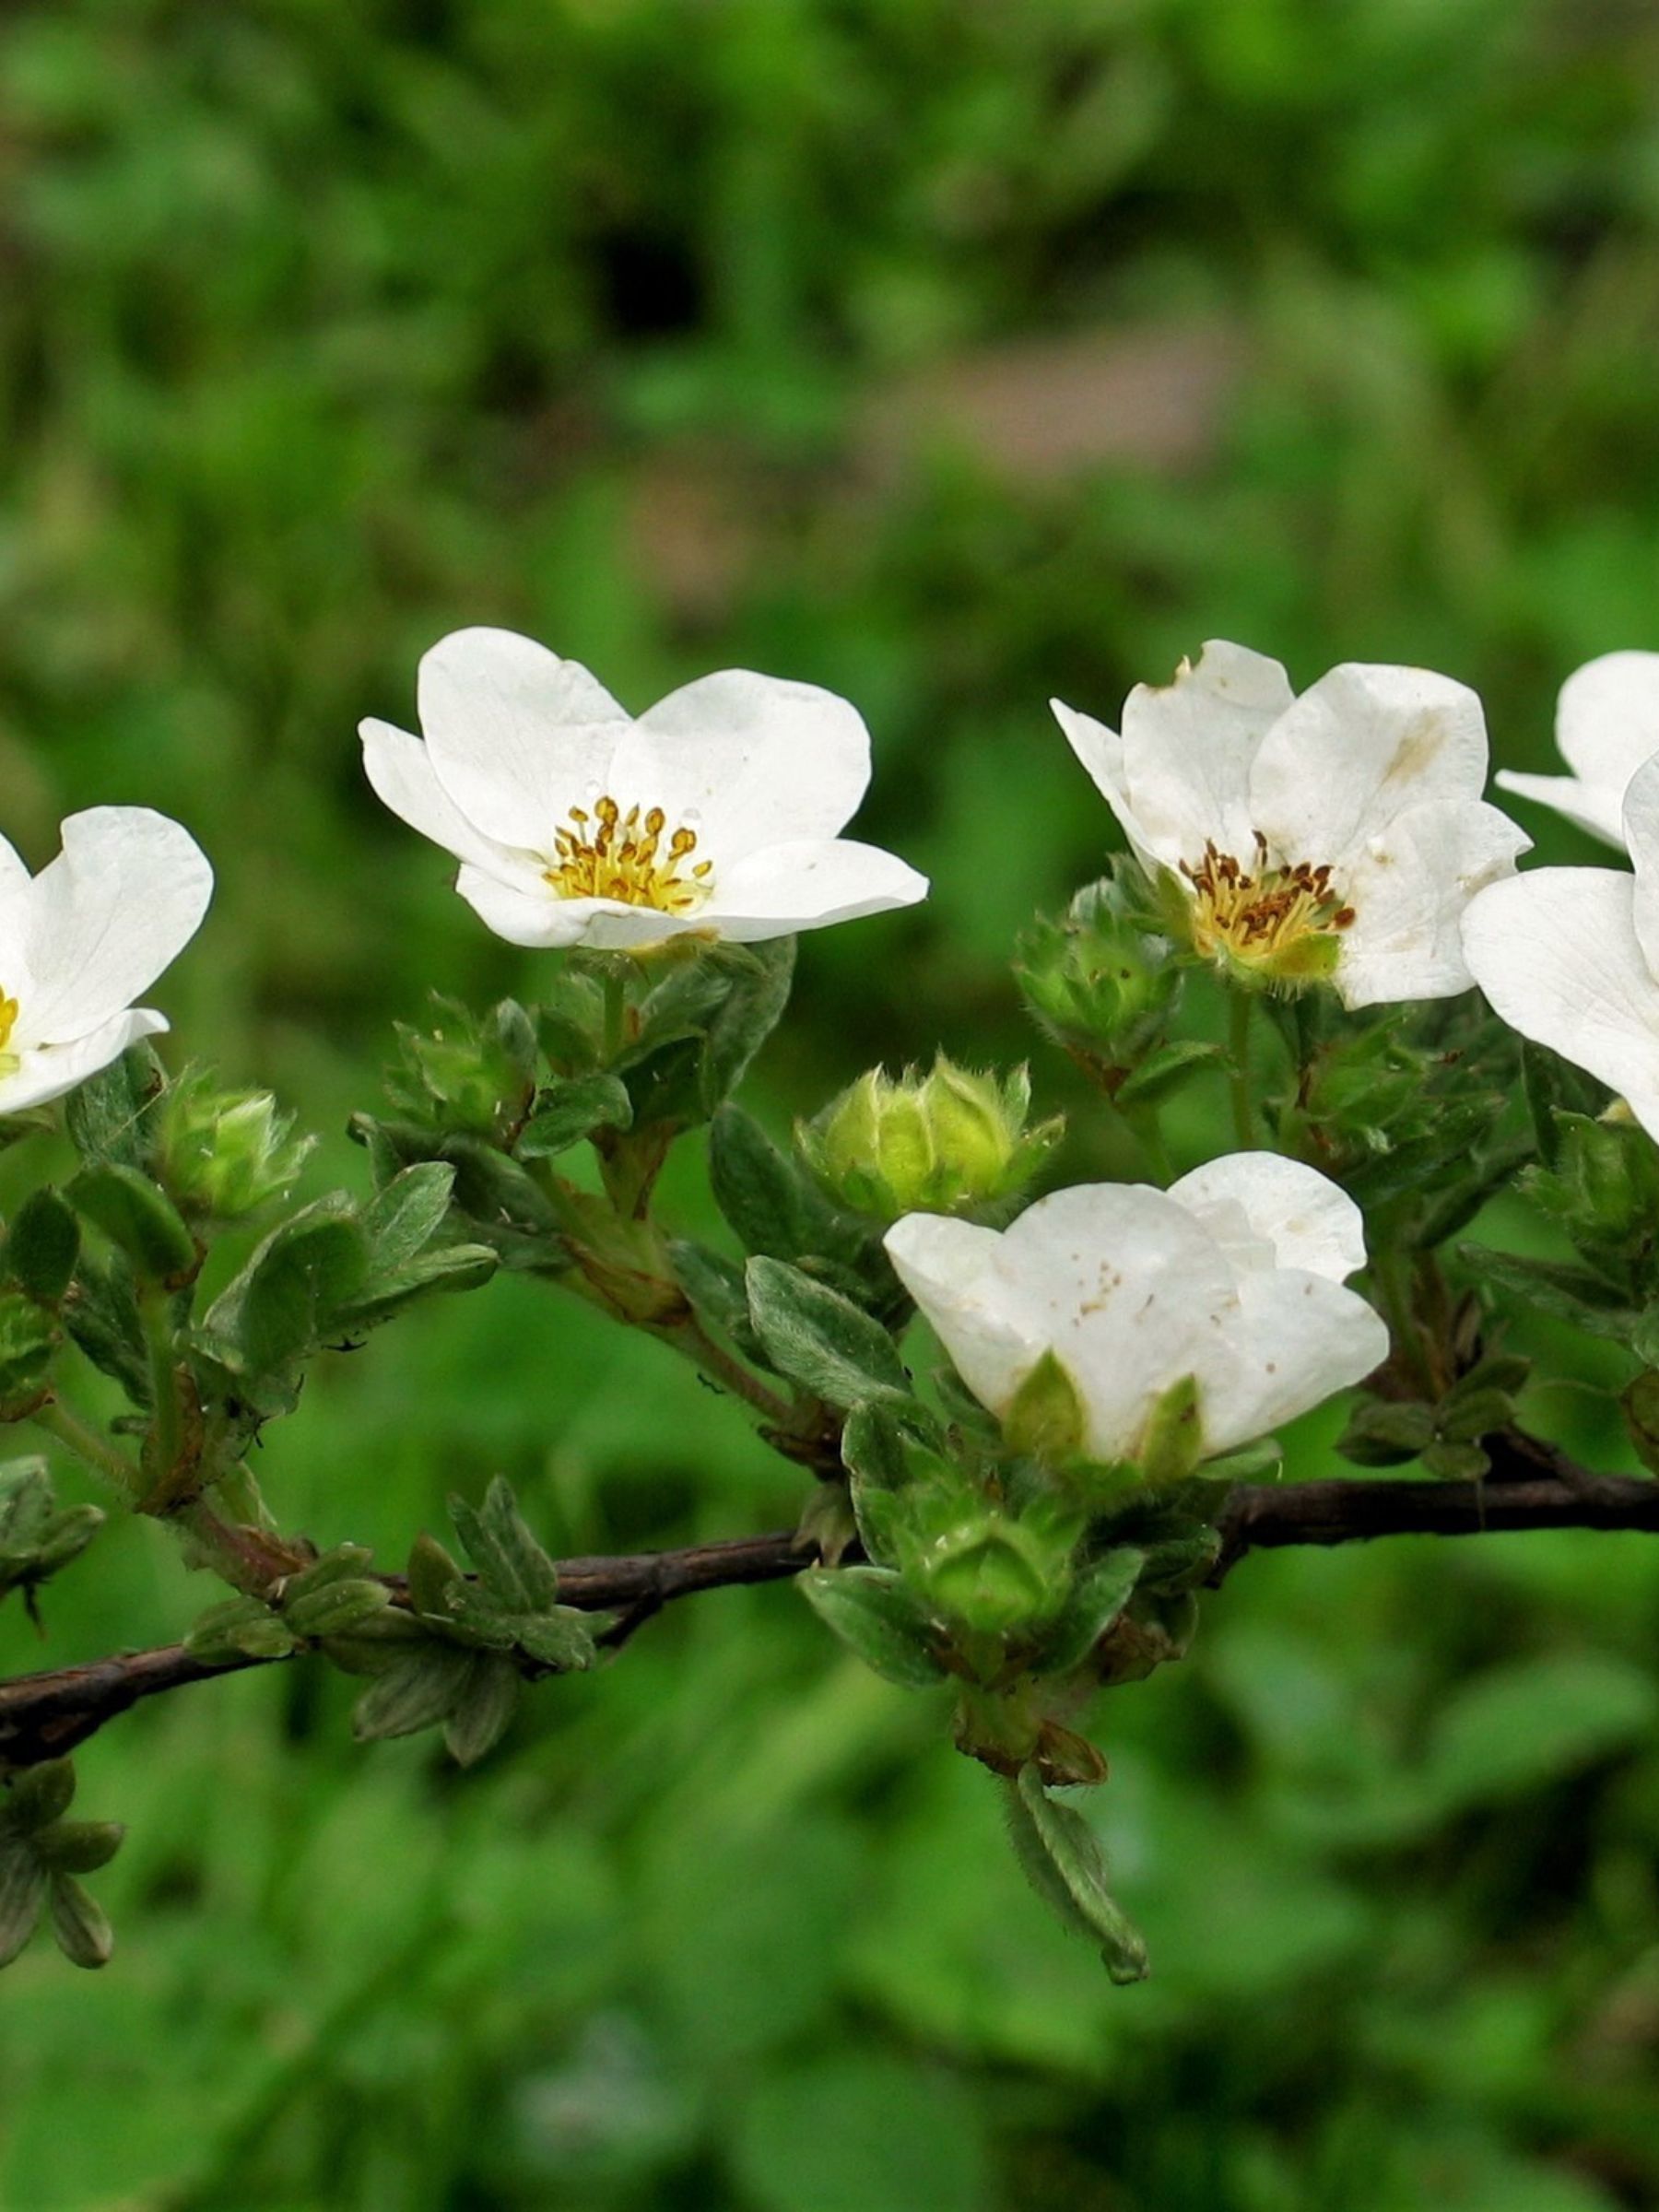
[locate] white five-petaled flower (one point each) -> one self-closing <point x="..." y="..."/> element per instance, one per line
<point x="716" y="811"/>
<point x="80" y="941"/>
<point x="1570" y="956"/>
<point x="1606" y="725"/>
<point x="1335" y="835"/>
<point x="1234" y="1275"/>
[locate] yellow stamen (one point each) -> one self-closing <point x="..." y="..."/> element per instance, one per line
<point x="1264" y="920"/>
<point x="8" y="1019"/>
<point x="621" y="856"/>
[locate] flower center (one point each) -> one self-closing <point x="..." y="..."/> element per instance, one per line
<point x="609" y="855"/>
<point x="1281" y="920"/>
<point x="8" y="1019"/>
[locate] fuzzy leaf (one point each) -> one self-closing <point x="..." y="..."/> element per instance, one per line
<point x="820" y="1339"/>
<point x="22" y="1895"/>
<point x="877" y="1617"/>
<point x="80" y="1923"/>
<point x="483" y="1709"/>
<point x="41" y="1245"/>
<point x="570" y="1110"/>
<point x="1063" y="1862"/>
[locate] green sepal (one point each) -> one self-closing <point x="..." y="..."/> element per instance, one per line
<point x="1046" y="1418"/>
<point x="139" y="1217"/>
<point x="571" y="1110"/>
<point x="1098" y="1597"/>
<point x="820" y="1339"/>
<point x="1063" y="1863"/>
<point x="109" y="1117"/>
<point x="43" y="1245"/>
<point x="80" y="1923"/>
<point x="1171" y="1444"/>
<point x="875" y="1615"/>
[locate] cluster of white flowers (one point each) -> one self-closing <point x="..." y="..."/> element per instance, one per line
<point x="1341" y="837"/>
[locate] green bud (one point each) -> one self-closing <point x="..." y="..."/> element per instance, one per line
<point x="469" y="1072"/>
<point x="993" y="1572"/>
<point x="1604" y="1185"/>
<point x="950" y="1142"/>
<point x="224" y="1154"/>
<point x="1101" y="979"/>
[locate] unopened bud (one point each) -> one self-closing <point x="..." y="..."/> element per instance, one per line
<point x="950" y="1142"/>
<point x="468" y="1072"/>
<point x="226" y="1153"/>
<point x="1100" y="978"/>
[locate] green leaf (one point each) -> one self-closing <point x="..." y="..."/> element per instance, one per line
<point x="336" y="1608"/>
<point x="1098" y="1595"/>
<point x="1064" y="1864"/>
<point x="288" y="1296"/>
<point x="1556" y="1288"/>
<point x="820" y="1339"/>
<point x="22" y="1895"/>
<point x="508" y="1557"/>
<point x="571" y="1110"/>
<point x="38" y="1796"/>
<point x="483" y="1708"/>
<point x="415" y="1692"/>
<point x="773" y="1205"/>
<point x="876" y="1616"/>
<point x="41" y="1246"/>
<point x="1554" y="1086"/>
<point x="37" y="1538"/>
<point x="80" y="1846"/>
<point x="1172" y="1442"/>
<point x="750" y="1011"/>
<point x="718" y="1293"/>
<point x="1639" y="1401"/>
<point x="28" y="1340"/>
<point x="139" y="1217"/>
<point x="1164" y="1071"/>
<point x="80" y="1923"/>
<point x="1382" y="1432"/>
<point x="402" y="1219"/>
<point x="430" y="1572"/>
<point x="449" y="1269"/>
<point x="102" y="1314"/>
<point x="239" y="1628"/>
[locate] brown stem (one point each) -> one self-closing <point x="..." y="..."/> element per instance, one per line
<point x="1532" y="1487"/>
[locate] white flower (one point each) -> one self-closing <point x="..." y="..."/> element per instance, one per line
<point x="1570" y="956"/>
<point x="1606" y="725"/>
<point x="80" y="941"/>
<point x="1234" y="1275"/>
<point x="1339" y="834"/>
<point x="574" y="824"/>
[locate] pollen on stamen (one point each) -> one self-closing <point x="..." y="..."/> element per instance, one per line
<point x="1262" y="917"/>
<point x="606" y="854"/>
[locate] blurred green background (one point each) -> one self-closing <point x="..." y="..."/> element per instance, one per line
<point x="951" y="353"/>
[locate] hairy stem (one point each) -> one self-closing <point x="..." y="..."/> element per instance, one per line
<point x="78" y="1436"/>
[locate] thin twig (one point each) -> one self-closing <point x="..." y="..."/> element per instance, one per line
<point x="1532" y="1486"/>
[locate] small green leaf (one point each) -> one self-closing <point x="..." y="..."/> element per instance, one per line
<point x="139" y="1217"/>
<point x="416" y="1693"/>
<point x="108" y="1117"/>
<point x="747" y="1016"/>
<point x="1046" y="1418"/>
<point x="485" y="1705"/>
<point x="402" y="1219"/>
<point x="22" y="1895"/>
<point x="287" y="1297"/>
<point x="1172" y="1442"/>
<point x="80" y="1846"/>
<point x="28" y="1340"/>
<point x="1640" y="1404"/>
<point x="102" y="1314"/>
<point x="773" y="1205"/>
<point x="876" y="1616"/>
<point x="499" y="1545"/>
<point x="1382" y="1432"/>
<point x="1063" y="1862"/>
<point x="1163" y="1072"/>
<point x="239" y="1628"/>
<point x="820" y="1339"/>
<point x="336" y="1609"/>
<point x="41" y="1246"/>
<point x="38" y="1796"/>
<point x="80" y="1923"/>
<point x="431" y="1571"/>
<point x="571" y="1110"/>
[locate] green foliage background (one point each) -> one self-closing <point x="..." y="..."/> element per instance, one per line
<point x="792" y="334"/>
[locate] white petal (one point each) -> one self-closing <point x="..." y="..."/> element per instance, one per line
<point x="48" y="1071"/>
<point x="980" y="1311"/>
<point x="400" y="768"/>
<point x="1102" y="752"/>
<point x="1133" y="1294"/>
<point x="806" y="885"/>
<point x="1251" y="1201"/>
<point x="1556" y="952"/>
<point x="1592" y="806"/>
<point x="16" y="884"/>
<point x="1608" y="718"/>
<point x="1187" y="750"/>
<point x="1641" y="821"/>
<point x="1358" y="746"/>
<point x="1408" y="887"/>
<point x="1295" y="1339"/>
<point x="517" y="737"/>
<point x="750" y="760"/>
<point x="120" y="902"/>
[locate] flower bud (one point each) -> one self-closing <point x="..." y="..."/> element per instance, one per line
<point x="468" y="1072"/>
<point x="1099" y="981"/>
<point x="1604" y="1185"/>
<point x="950" y="1142"/>
<point x="227" y="1153"/>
